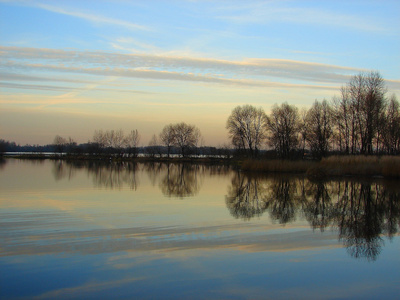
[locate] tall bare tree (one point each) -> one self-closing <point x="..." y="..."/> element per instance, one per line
<point x="319" y="128"/>
<point x="391" y="127"/>
<point x="284" y="127"/>
<point x="344" y="122"/>
<point x="367" y="92"/>
<point x="186" y="136"/>
<point x="247" y="128"/>
<point x="132" y="142"/>
<point x="167" y="137"/>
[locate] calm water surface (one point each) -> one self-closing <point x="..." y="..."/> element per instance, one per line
<point x="124" y="231"/>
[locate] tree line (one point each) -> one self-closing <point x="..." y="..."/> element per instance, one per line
<point x="180" y="138"/>
<point x="361" y="120"/>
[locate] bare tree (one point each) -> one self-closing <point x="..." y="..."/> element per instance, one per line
<point x="247" y="128"/>
<point x="99" y="138"/>
<point x="367" y="92"/>
<point x="319" y="128"/>
<point x="344" y="122"/>
<point x="167" y="137"/>
<point x="391" y="127"/>
<point x="284" y="127"/>
<point x="132" y="142"/>
<point x="186" y="136"/>
<point x="154" y="147"/>
<point x="60" y="144"/>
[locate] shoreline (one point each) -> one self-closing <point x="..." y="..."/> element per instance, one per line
<point x="387" y="167"/>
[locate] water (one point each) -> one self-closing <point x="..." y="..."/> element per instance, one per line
<point x="123" y="231"/>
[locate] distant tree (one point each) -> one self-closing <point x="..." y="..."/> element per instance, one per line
<point x="117" y="140"/>
<point x="154" y="147"/>
<point x="247" y="128"/>
<point x="132" y="142"/>
<point x="60" y="144"/>
<point x="284" y="127"/>
<point x="186" y="136"/>
<point x="99" y="138"/>
<point x="71" y="146"/>
<point x="3" y="147"/>
<point x="168" y="137"/>
<point x="319" y="128"/>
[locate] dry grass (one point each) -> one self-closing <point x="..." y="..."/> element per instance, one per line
<point x="351" y="165"/>
<point x="386" y="166"/>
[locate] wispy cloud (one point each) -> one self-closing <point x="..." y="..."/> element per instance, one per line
<point x="167" y="75"/>
<point x="248" y="72"/>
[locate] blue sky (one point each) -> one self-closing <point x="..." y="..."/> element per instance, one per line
<point x="71" y="67"/>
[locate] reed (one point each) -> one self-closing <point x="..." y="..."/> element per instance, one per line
<point x="351" y="165"/>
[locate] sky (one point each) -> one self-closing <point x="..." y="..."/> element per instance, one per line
<point x="72" y="67"/>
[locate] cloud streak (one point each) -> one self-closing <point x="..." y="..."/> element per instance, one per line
<point x="167" y="75"/>
<point x="248" y="72"/>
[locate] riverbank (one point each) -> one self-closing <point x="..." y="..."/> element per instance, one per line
<point x="368" y="166"/>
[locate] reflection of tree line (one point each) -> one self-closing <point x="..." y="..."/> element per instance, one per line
<point x="108" y="174"/>
<point x="175" y="180"/>
<point x="362" y="211"/>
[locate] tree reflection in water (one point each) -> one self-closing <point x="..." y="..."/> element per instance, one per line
<point x="112" y="175"/>
<point x="2" y="162"/>
<point x="361" y="211"/>
<point x="181" y="180"/>
<point x="174" y="179"/>
<point x="246" y="197"/>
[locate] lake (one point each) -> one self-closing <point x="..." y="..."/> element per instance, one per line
<point x="87" y="230"/>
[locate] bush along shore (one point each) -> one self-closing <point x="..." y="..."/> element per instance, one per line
<point x="371" y="166"/>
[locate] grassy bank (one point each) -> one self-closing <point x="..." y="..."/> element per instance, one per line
<point x="385" y="166"/>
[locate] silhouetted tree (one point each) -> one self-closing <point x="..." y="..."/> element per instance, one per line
<point x="132" y="142"/>
<point x="60" y="144"/>
<point x="3" y="147"/>
<point x="186" y="136"/>
<point x="391" y="127"/>
<point x="367" y="96"/>
<point x="319" y="128"/>
<point x="344" y="123"/>
<point x="247" y="128"/>
<point x="168" y="137"/>
<point x="153" y="148"/>
<point x="284" y="127"/>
